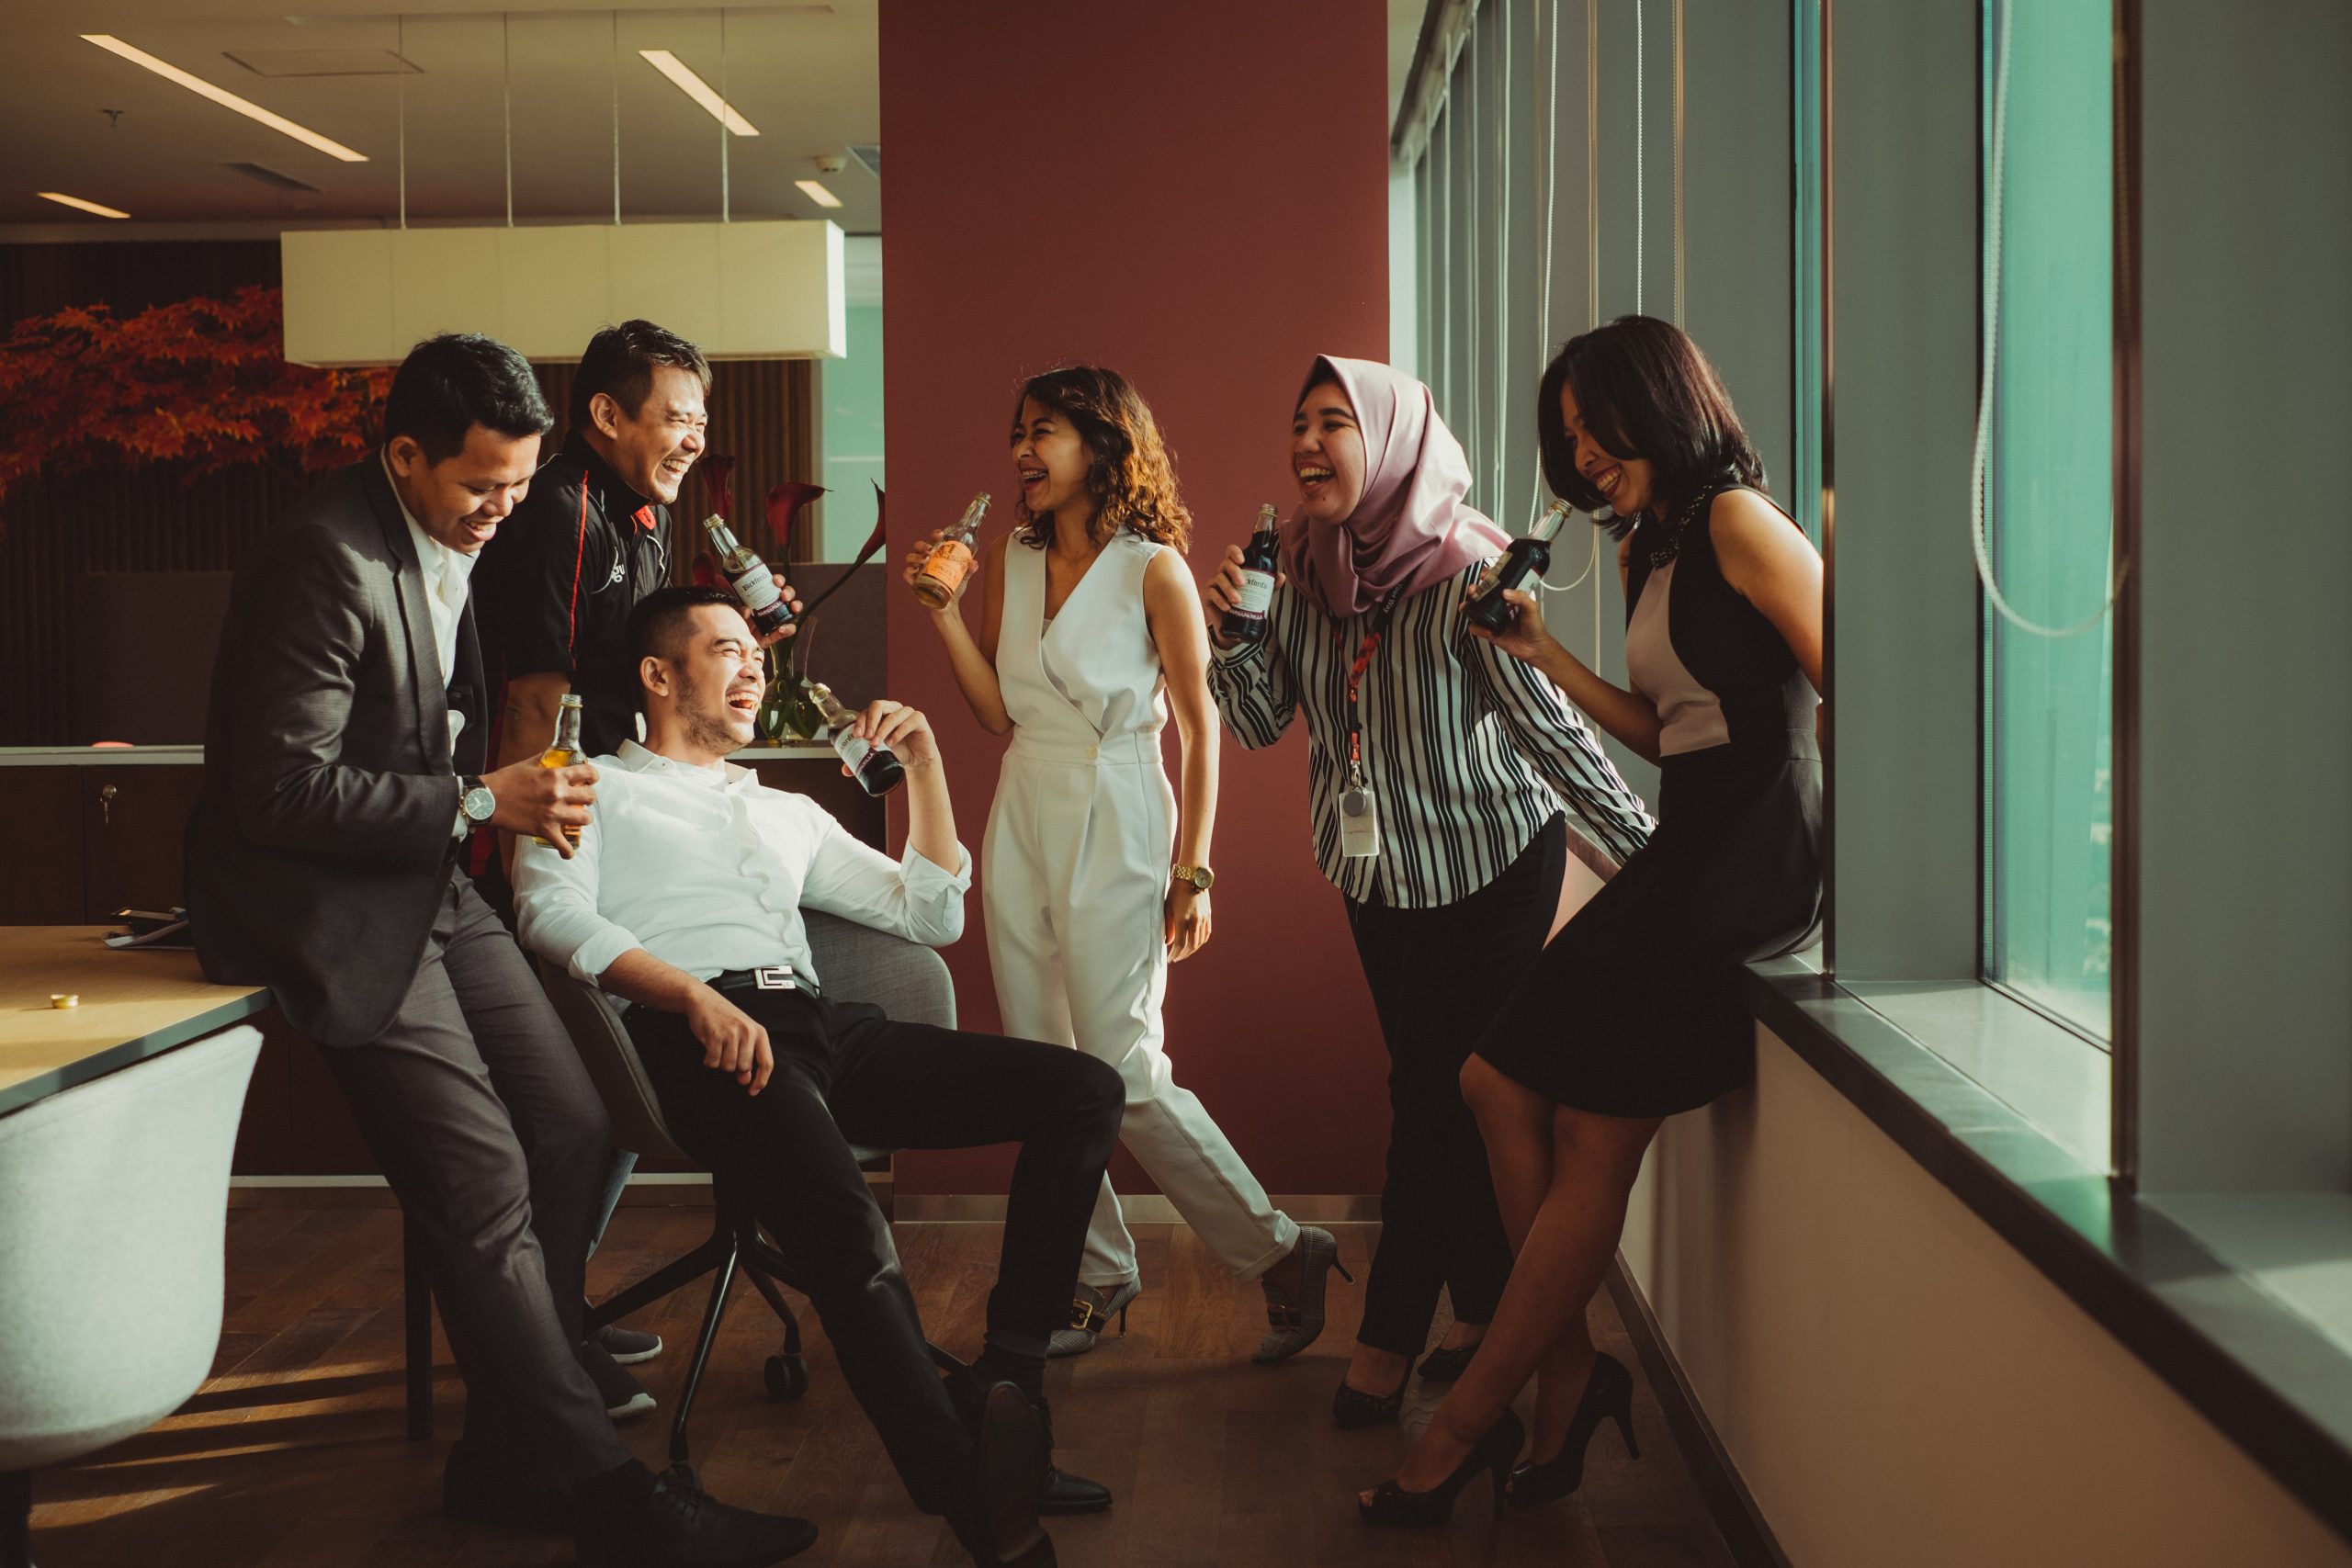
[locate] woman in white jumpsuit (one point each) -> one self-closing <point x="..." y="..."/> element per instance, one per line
<point x="1092" y="882"/>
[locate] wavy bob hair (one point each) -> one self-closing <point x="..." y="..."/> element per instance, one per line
<point x="1645" y="391"/>
<point x="1132" y="476"/>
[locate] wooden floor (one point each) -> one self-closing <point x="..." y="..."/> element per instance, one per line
<point x="292" y="1456"/>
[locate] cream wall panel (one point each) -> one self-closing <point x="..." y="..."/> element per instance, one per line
<point x="1897" y="1384"/>
<point x="753" y="290"/>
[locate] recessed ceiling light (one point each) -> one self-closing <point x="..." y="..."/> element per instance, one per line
<point x="227" y="100"/>
<point x="62" y="199"/>
<point x="698" y="89"/>
<point x="818" y="193"/>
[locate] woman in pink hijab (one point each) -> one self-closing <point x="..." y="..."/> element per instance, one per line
<point x="1442" y="776"/>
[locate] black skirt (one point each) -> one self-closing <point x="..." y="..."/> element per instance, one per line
<point x="1635" y="1008"/>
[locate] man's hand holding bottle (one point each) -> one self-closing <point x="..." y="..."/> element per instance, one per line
<point x="542" y="801"/>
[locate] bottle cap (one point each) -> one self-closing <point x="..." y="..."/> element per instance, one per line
<point x="64" y="999"/>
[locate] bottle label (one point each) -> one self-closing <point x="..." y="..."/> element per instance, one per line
<point x="1257" y="593"/>
<point x="851" y="747"/>
<point x="757" y="587"/>
<point x="945" y="567"/>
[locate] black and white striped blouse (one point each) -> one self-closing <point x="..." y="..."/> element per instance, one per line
<point x="1468" y="751"/>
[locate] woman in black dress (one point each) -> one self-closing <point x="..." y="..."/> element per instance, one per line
<point x="1633" y="1013"/>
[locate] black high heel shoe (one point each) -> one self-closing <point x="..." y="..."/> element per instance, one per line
<point x="1608" y="1396"/>
<point x="1392" y="1505"/>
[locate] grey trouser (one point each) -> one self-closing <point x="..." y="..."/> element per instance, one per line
<point x="486" y="1124"/>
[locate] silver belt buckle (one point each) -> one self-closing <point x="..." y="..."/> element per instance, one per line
<point x="774" y="978"/>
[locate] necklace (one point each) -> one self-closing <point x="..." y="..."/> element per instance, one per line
<point x="1670" y="539"/>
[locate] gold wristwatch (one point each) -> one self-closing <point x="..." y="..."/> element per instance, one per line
<point x="1199" y="876"/>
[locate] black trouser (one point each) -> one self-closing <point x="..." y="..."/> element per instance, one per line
<point x="1437" y="977"/>
<point x="846" y="1073"/>
<point x="476" y="1107"/>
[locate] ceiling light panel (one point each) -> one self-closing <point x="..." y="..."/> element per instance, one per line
<point x="816" y="192"/>
<point x="698" y="89"/>
<point x="225" y="99"/>
<point x="75" y="201"/>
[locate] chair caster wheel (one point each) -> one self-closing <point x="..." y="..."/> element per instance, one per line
<point x="788" y="1377"/>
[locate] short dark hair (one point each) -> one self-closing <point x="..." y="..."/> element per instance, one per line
<point x="620" y="362"/>
<point x="1644" y="391"/>
<point x="655" y="625"/>
<point x="451" y="383"/>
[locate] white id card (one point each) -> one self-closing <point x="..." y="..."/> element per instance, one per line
<point x="1359" y="824"/>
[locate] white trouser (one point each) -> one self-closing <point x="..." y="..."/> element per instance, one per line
<point x="1074" y="869"/>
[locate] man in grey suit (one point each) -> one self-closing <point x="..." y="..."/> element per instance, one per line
<point x="339" y="783"/>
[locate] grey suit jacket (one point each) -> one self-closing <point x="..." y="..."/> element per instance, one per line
<point x="321" y="843"/>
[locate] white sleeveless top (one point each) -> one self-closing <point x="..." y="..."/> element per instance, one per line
<point x="1092" y="674"/>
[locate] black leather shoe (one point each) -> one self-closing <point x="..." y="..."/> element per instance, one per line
<point x="1009" y="1470"/>
<point x="1064" y="1493"/>
<point x="472" y="1492"/>
<point x="678" y="1525"/>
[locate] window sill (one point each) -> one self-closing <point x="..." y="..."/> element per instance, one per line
<point x="2045" y="1072"/>
<point x="2201" y="1317"/>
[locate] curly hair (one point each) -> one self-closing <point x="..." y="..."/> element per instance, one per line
<point x="1132" y="476"/>
<point x="1646" y="391"/>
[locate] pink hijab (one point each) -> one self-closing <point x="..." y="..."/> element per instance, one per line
<point x="1410" y="529"/>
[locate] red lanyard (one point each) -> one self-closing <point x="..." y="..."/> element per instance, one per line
<point x="1372" y="641"/>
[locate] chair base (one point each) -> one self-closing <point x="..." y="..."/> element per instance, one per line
<point x="15" y="1518"/>
<point x="734" y="1243"/>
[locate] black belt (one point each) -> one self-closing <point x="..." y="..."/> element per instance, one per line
<point x="774" y="977"/>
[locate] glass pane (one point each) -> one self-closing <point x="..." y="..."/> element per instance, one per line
<point x="2049" y="514"/>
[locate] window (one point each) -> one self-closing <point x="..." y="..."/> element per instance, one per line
<point x="2049" y="507"/>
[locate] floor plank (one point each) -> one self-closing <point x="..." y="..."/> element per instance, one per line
<point x="292" y="1455"/>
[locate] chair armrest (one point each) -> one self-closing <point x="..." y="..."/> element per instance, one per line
<point x="858" y="964"/>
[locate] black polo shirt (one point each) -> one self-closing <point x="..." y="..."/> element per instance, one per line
<point x="555" y="585"/>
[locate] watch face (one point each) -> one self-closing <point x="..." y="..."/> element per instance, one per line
<point x="480" y="803"/>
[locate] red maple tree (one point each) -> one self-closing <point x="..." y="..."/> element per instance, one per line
<point x="203" y="383"/>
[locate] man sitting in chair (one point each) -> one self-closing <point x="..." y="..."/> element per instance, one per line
<point x="684" y="898"/>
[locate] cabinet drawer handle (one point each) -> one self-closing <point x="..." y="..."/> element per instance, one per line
<point x="106" y="804"/>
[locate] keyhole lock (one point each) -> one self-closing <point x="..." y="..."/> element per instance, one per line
<point x="106" y="804"/>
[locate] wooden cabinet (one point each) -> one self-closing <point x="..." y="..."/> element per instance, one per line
<point x="86" y="839"/>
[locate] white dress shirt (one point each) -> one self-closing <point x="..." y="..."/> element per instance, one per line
<point x="707" y="870"/>
<point x="447" y="574"/>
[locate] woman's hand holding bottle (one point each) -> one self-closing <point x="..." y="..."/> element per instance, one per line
<point x="1526" y="638"/>
<point x="1222" y="593"/>
<point x="919" y="557"/>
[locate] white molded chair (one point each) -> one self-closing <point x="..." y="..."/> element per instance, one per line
<point x="113" y="1200"/>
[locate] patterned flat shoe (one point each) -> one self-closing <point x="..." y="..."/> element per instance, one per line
<point x="1292" y="1326"/>
<point x="1443" y="1365"/>
<point x="1352" y="1410"/>
<point x="1090" y="1311"/>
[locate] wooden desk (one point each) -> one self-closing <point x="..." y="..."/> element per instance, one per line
<point x="135" y="1004"/>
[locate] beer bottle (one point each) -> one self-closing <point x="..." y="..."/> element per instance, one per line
<point x="1521" y="559"/>
<point x="565" y="749"/>
<point x="1246" y="621"/>
<point x="767" y="610"/>
<point x="877" y="768"/>
<point x="950" y="560"/>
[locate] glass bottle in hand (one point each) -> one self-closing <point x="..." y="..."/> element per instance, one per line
<point x="950" y="560"/>
<point x="1246" y="621"/>
<point x="1520" y="559"/>
<point x="763" y="606"/>
<point x="877" y="768"/>
<point x="565" y="749"/>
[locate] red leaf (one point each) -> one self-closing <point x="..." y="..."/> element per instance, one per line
<point x="717" y="470"/>
<point x="784" y="501"/>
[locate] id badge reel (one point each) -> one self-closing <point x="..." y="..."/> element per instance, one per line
<point x="1359" y="822"/>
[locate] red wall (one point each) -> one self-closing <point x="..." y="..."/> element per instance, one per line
<point x="1196" y="196"/>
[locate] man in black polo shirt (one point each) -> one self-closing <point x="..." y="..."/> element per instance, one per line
<point x="593" y="537"/>
<point x="552" y="595"/>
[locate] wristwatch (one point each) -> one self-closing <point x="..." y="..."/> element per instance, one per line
<point x="1199" y="876"/>
<point x="475" y="800"/>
